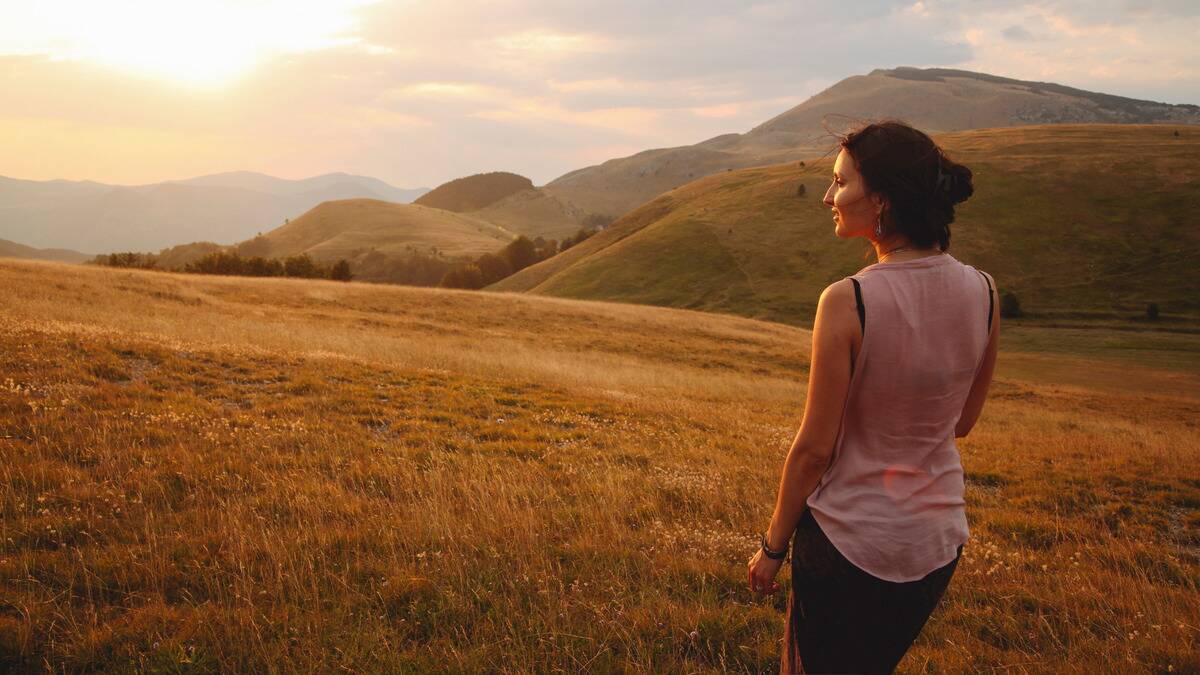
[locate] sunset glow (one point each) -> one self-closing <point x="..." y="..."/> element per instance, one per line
<point x="188" y="42"/>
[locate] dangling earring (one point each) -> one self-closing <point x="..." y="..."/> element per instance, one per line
<point x="878" y="224"/>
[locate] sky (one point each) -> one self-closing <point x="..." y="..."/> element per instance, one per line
<point x="417" y="92"/>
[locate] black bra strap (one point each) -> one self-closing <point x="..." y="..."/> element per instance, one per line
<point x="991" y="300"/>
<point x="862" y="312"/>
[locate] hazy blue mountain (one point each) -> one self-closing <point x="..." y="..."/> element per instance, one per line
<point x="11" y="249"/>
<point x="223" y="208"/>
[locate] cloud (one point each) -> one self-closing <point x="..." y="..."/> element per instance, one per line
<point x="1017" y="34"/>
<point x="419" y="92"/>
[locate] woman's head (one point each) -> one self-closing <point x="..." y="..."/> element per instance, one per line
<point x="893" y="175"/>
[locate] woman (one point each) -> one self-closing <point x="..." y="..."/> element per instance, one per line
<point x="902" y="357"/>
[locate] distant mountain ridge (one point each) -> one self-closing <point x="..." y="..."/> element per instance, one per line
<point x="232" y="207"/>
<point x="11" y="249"/>
<point x="935" y="100"/>
<point x="224" y="208"/>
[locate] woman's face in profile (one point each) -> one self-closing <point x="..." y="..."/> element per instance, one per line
<point x="854" y="213"/>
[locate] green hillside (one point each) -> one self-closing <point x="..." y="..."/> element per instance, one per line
<point x="1071" y="218"/>
<point x="346" y="227"/>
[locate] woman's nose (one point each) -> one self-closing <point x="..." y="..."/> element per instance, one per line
<point x="828" y="196"/>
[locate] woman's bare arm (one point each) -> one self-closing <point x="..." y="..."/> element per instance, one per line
<point x="834" y="333"/>
<point x="983" y="379"/>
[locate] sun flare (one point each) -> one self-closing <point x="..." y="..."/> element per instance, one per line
<point x="193" y="42"/>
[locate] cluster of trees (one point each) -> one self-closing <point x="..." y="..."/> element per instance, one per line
<point x="492" y="267"/>
<point x="412" y="268"/>
<point x="142" y="261"/>
<point x="578" y="237"/>
<point x="302" y="266"/>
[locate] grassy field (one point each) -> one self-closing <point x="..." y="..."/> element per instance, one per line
<point x="212" y="474"/>
<point x="1074" y="219"/>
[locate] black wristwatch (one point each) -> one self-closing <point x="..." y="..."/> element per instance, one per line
<point x="773" y="555"/>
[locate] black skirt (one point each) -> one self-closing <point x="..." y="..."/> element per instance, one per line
<point x="840" y="619"/>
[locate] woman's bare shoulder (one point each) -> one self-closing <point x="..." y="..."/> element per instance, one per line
<point x="837" y="301"/>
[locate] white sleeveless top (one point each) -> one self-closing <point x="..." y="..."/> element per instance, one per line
<point x="891" y="500"/>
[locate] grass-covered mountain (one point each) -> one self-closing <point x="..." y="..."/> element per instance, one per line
<point x="11" y="249"/>
<point x="340" y="229"/>
<point x="472" y="193"/>
<point x="223" y="208"/>
<point x="934" y="99"/>
<point x="509" y="201"/>
<point x="535" y="212"/>
<point x="1070" y="218"/>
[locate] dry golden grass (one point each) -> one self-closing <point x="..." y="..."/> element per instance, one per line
<point x="207" y="474"/>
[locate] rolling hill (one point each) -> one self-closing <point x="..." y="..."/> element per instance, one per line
<point x="935" y="100"/>
<point x="472" y="193"/>
<point x="510" y="201"/>
<point x="11" y="249"/>
<point x="535" y="213"/>
<point x="223" y="208"/>
<point x="1070" y="218"/>
<point x="343" y="228"/>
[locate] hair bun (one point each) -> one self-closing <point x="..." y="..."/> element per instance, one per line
<point x="959" y="185"/>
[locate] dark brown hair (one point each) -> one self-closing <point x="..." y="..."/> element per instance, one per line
<point x="921" y="184"/>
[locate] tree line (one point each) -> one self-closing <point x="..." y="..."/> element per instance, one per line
<point x="231" y="263"/>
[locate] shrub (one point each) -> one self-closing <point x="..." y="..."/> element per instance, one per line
<point x="259" y="266"/>
<point x="145" y="261"/>
<point x="341" y="271"/>
<point x="1152" y="311"/>
<point x="217" y="262"/>
<point x="579" y="236"/>
<point x="520" y="253"/>
<point x="492" y="267"/>
<point x="467" y="275"/>
<point x="302" y="266"/>
<point x="1009" y="306"/>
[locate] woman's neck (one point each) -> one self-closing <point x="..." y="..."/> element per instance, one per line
<point x="901" y="250"/>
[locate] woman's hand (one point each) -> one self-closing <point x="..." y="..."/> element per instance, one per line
<point x="762" y="573"/>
